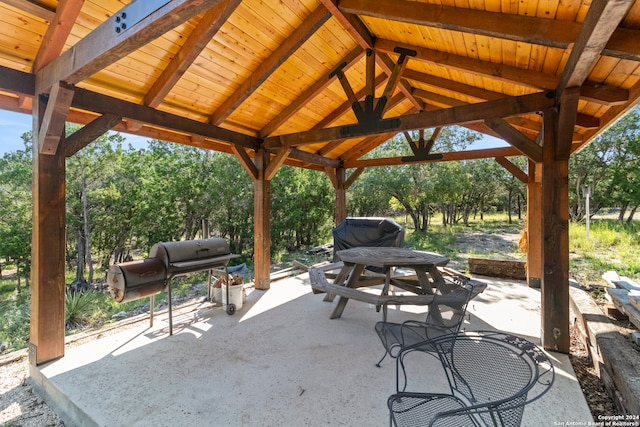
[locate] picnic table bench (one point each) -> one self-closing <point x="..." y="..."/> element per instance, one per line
<point x="350" y="279"/>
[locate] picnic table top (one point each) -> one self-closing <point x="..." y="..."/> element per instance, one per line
<point x="385" y="257"/>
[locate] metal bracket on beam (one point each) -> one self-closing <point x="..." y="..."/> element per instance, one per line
<point x="135" y="12"/>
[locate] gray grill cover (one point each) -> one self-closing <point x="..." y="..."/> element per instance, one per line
<point x="357" y="232"/>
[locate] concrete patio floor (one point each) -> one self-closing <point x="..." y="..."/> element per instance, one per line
<point x="278" y="361"/>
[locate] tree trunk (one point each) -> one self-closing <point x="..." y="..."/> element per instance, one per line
<point x="623" y="211"/>
<point x="87" y="232"/>
<point x="80" y="258"/>
<point x="509" y="206"/>
<point x="630" y="218"/>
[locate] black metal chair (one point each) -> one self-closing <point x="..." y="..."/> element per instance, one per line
<point x="491" y="376"/>
<point x="445" y="315"/>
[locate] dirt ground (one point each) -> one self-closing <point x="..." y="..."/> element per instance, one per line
<point x="20" y="406"/>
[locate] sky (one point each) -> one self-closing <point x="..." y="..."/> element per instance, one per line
<point x="13" y="125"/>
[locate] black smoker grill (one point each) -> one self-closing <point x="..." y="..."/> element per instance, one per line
<point x="137" y="279"/>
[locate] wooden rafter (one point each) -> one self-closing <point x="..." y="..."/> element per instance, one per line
<point x="66" y="14"/>
<point x="103" y="46"/>
<point x="505" y="73"/>
<point x="42" y="12"/>
<point x="354" y="26"/>
<point x="271" y="64"/>
<point x="519" y="28"/>
<point x="195" y="44"/>
<point x="601" y="21"/>
<point x="466" y="113"/>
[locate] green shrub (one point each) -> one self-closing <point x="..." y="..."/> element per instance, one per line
<point x="79" y="308"/>
<point x="14" y="324"/>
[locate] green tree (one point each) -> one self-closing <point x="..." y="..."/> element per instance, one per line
<point x="16" y="212"/>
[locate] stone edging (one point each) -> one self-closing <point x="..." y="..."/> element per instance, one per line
<point x="614" y="358"/>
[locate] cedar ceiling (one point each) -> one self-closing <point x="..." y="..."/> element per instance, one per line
<point x="239" y="75"/>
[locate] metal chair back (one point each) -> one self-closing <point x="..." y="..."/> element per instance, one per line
<point x="492" y="376"/>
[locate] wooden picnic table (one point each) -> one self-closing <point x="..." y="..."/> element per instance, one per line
<point x="393" y="263"/>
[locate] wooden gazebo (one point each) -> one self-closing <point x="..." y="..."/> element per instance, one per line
<point x="318" y="84"/>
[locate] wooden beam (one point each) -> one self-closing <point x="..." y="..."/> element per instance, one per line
<point x="104" y="46"/>
<point x="89" y="133"/>
<point x="48" y="285"/>
<point x="275" y="163"/>
<point x="386" y="63"/>
<point x="350" y="59"/>
<point x="261" y="223"/>
<point x="501" y="72"/>
<point x="98" y="103"/>
<point x="513" y="169"/>
<point x="602" y="19"/>
<point x="352" y="178"/>
<point x="53" y="122"/>
<point x="446" y="157"/>
<point x="526" y="146"/>
<point x="43" y="12"/>
<point x="567" y="115"/>
<point x="271" y="64"/>
<point x="603" y="94"/>
<point x="208" y="26"/>
<point x="555" y="251"/>
<point x="426" y="119"/>
<point x="245" y="161"/>
<point x="315" y="159"/>
<point x="59" y="29"/>
<point x="534" y="225"/>
<point x="528" y="29"/>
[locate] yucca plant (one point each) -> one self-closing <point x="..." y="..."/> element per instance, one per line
<point x="79" y="307"/>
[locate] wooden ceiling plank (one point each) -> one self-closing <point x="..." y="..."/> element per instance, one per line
<point x="513" y="169"/>
<point x="310" y="25"/>
<point x="98" y="103"/>
<point x="602" y="19"/>
<point x="89" y="133"/>
<point x="32" y="9"/>
<point x="103" y="46"/>
<point x="514" y="137"/>
<point x="510" y="74"/>
<point x="206" y="29"/>
<point x="427" y="119"/>
<point x="352" y="58"/>
<point x="59" y="29"/>
<point x="352" y="24"/>
<point x="519" y="28"/>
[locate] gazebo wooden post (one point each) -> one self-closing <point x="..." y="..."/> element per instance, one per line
<point x="341" y="196"/>
<point x="534" y="225"/>
<point x="555" y="229"/>
<point x="48" y="249"/>
<point x="262" y="222"/>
